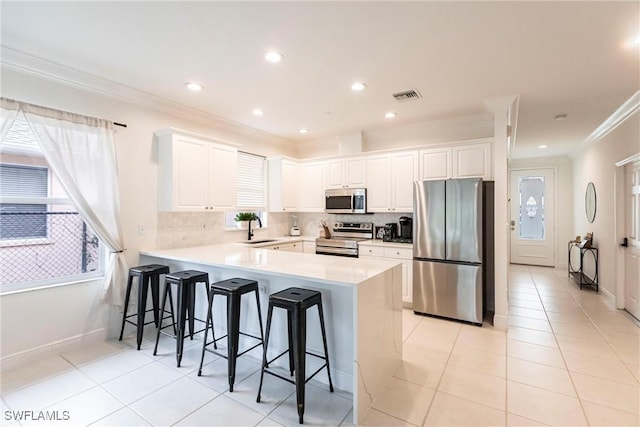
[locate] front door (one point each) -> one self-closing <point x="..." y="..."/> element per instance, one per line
<point x="632" y="231"/>
<point x="532" y="217"/>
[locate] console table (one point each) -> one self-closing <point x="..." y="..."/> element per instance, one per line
<point x="578" y="273"/>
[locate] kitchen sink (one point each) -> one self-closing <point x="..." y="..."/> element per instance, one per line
<point x="253" y="242"/>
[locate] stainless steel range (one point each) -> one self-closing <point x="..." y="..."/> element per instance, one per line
<point x="345" y="238"/>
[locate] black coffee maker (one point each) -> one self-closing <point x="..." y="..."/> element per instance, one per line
<point x="406" y="228"/>
<point x="390" y="232"/>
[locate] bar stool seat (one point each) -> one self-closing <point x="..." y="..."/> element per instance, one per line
<point x="148" y="276"/>
<point x="233" y="289"/>
<point x="185" y="282"/>
<point x="296" y="301"/>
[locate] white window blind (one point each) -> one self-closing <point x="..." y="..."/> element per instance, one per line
<point x="23" y="181"/>
<point x="251" y="186"/>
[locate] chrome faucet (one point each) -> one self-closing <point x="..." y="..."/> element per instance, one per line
<point x="250" y="233"/>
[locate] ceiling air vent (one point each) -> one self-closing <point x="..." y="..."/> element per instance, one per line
<point x="408" y="95"/>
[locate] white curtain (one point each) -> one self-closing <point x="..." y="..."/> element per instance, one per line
<point x="8" y="114"/>
<point x="81" y="152"/>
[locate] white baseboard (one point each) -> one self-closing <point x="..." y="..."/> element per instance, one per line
<point x="55" y="348"/>
<point x="500" y="322"/>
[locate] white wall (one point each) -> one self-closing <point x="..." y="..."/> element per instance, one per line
<point x="596" y="163"/>
<point x="27" y="317"/>
<point x="564" y="199"/>
<point x="396" y="135"/>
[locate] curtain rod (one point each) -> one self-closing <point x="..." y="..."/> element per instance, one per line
<point x="48" y="108"/>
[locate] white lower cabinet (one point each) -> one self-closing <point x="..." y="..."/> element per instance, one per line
<point x="404" y="255"/>
<point x="289" y="247"/>
<point x="309" y="247"/>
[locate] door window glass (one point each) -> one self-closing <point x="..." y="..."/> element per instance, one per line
<point x="531" y="218"/>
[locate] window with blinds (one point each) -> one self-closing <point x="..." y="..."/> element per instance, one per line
<point x="251" y="186"/>
<point x="23" y="181"/>
<point x="43" y="239"/>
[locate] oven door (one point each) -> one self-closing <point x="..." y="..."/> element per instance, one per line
<point x="331" y="250"/>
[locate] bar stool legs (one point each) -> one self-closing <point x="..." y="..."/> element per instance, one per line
<point x="296" y="301"/>
<point x="148" y="276"/>
<point x="185" y="282"/>
<point x="233" y="289"/>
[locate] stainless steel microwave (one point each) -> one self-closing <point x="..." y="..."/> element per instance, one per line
<point x="346" y="200"/>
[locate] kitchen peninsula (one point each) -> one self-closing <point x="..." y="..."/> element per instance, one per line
<point x="361" y="297"/>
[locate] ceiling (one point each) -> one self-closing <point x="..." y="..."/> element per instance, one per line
<point x="561" y="58"/>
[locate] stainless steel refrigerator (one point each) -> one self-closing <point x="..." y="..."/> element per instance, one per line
<point x="449" y="249"/>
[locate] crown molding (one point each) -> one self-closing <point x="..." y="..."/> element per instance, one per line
<point x="626" y="110"/>
<point x="14" y="60"/>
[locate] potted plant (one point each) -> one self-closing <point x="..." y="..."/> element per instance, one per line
<point x="242" y="219"/>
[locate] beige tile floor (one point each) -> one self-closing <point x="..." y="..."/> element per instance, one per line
<point x="569" y="358"/>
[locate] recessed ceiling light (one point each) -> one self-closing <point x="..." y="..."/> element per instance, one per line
<point x="542" y="146"/>
<point x="273" y="56"/>
<point x="358" y="86"/>
<point x="257" y="112"/>
<point x="390" y="115"/>
<point x="194" y="86"/>
<point x="304" y="130"/>
<point x="560" y="116"/>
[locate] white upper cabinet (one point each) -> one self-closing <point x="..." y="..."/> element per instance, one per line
<point x="473" y="161"/>
<point x="435" y="163"/>
<point x="284" y="178"/>
<point x="195" y="173"/>
<point x="463" y="161"/>
<point x="379" y="183"/>
<point x="404" y="172"/>
<point x="312" y="186"/>
<point x="390" y="180"/>
<point x="350" y="172"/>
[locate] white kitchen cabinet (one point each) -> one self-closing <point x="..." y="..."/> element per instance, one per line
<point x="390" y="180"/>
<point x="473" y="161"/>
<point x="288" y="247"/>
<point x="195" y="173"/>
<point x="436" y="163"/>
<point x="394" y="252"/>
<point x="309" y="247"/>
<point x="349" y="172"/>
<point x="462" y="161"/>
<point x="284" y="178"/>
<point x="379" y="183"/>
<point x="404" y="172"/>
<point x="312" y="186"/>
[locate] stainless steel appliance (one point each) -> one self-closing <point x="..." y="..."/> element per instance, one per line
<point x="449" y="248"/>
<point x="344" y="239"/>
<point x="406" y="229"/>
<point x="390" y="232"/>
<point x="346" y="200"/>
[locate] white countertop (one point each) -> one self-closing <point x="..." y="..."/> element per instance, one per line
<point x="240" y="256"/>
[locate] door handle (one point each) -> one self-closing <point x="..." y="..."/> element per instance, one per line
<point x="513" y="224"/>
<point x="625" y="243"/>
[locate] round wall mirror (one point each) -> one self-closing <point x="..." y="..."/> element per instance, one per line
<point x="590" y="202"/>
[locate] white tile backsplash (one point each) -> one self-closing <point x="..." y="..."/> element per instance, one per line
<point x="185" y="229"/>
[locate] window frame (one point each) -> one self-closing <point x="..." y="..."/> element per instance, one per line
<point x="29" y="149"/>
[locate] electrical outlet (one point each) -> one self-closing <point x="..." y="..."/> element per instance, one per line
<point x="142" y="230"/>
<point x="262" y="288"/>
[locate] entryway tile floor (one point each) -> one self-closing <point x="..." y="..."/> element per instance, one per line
<point x="569" y="358"/>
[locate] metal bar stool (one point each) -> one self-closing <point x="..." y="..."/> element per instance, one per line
<point x="186" y="296"/>
<point x="148" y="276"/>
<point x="233" y="289"/>
<point x="296" y="301"/>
